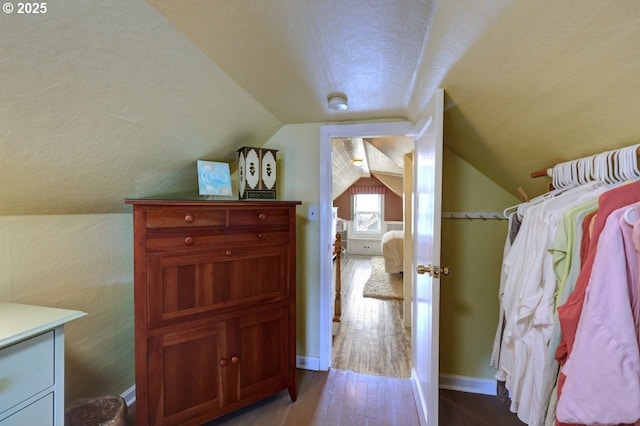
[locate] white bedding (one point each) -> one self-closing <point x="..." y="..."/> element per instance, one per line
<point x="392" y="250"/>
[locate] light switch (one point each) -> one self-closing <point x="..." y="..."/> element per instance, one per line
<point x="313" y="212"/>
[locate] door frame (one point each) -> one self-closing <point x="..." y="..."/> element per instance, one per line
<point x="327" y="133"/>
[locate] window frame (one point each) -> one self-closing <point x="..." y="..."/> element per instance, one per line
<point x="355" y="212"/>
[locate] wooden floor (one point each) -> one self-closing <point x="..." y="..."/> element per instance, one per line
<point x="371" y="337"/>
<point x="368" y="382"/>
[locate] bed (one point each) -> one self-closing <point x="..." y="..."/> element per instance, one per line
<point x="392" y="245"/>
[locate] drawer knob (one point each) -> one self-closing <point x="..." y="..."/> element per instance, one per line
<point x="228" y="252"/>
<point x="223" y="362"/>
<point x="188" y="241"/>
<point x="262" y="236"/>
<point x="235" y="359"/>
<point x="262" y="216"/>
<point x="189" y="218"/>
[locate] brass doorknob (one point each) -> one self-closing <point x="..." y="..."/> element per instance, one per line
<point x="434" y="271"/>
<point x="421" y="269"/>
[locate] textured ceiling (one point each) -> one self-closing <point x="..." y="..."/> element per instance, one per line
<point x="528" y="84"/>
<point x="291" y="55"/>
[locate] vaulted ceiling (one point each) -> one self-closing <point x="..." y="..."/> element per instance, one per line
<point x="101" y="99"/>
<point x="528" y="84"/>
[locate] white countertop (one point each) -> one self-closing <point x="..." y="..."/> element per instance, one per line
<point x="18" y="321"/>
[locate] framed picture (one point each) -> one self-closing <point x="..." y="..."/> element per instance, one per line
<point x="214" y="178"/>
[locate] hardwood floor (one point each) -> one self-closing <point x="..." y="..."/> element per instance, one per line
<point x="371" y="337"/>
<point x="368" y="384"/>
<point x="471" y="409"/>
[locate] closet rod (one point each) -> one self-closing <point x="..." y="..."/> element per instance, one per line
<point x="473" y="215"/>
<point x="547" y="172"/>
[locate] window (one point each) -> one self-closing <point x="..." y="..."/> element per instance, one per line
<point x="367" y="213"/>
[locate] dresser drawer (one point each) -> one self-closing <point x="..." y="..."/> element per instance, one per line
<point x="26" y="368"/>
<point x="259" y="238"/>
<point x="184" y="239"/>
<point x="270" y="216"/>
<point x="164" y="217"/>
<point x="38" y="413"/>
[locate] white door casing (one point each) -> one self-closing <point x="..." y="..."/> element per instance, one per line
<point x="327" y="133"/>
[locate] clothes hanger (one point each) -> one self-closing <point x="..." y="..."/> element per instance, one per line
<point x="612" y="167"/>
<point x="624" y="164"/>
<point x="584" y="170"/>
<point x="597" y="168"/>
<point x="632" y="158"/>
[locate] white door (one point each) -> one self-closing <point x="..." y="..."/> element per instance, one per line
<point x="427" y="197"/>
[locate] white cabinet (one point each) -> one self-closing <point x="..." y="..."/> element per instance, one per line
<point x="37" y="413"/>
<point x="366" y="247"/>
<point x="32" y="364"/>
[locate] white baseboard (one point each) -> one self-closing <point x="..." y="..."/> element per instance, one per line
<point x="447" y="381"/>
<point x="129" y="396"/>
<point x="308" y="363"/>
<point x="468" y="384"/>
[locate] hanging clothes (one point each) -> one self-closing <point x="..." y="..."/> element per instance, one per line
<point x="528" y="302"/>
<point x="602" y="384"/>
<point x="569" y="351"/>
<point x="569" y="313"/>
<point x="565" y="251"/>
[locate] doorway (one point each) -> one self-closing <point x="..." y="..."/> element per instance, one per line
<point x="328" y="134"/>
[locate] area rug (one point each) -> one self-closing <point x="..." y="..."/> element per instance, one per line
<point x="381" y="284"/>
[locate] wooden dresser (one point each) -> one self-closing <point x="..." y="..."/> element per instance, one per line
<point x="215" y="306"/>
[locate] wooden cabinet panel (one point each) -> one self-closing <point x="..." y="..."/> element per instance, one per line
<point x="184" y="376"/>
<point x="189" y="285"/>
<point x="214" y="297"/>
<point x="263" y="342"/>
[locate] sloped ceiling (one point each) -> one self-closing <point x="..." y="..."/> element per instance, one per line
<point x="528" y="83"/>
<point x="381" y="163"/>
<point x="102" y="100"/>
<point x="105" y="100"/>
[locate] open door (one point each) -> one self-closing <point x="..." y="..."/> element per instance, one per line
<point x="427" y="206"/>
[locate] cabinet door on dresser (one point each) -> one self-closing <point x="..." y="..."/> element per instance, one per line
<point x="194" y="284"/>
<point x="184" y="374"/>
<point x="209" y="369"/>
<point x="261" y="341"/>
